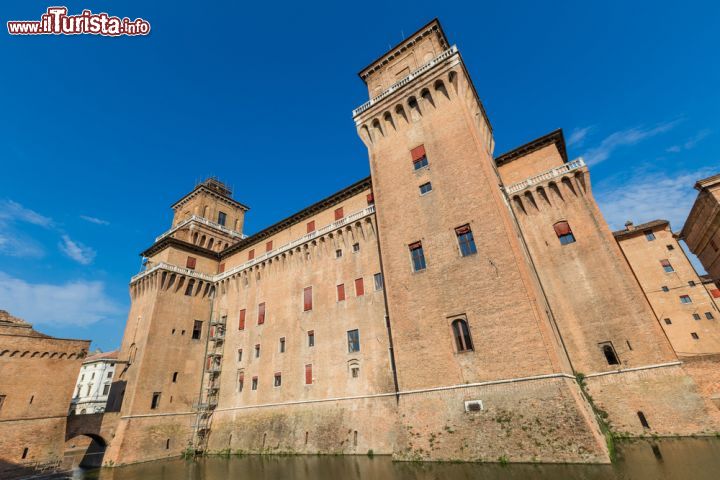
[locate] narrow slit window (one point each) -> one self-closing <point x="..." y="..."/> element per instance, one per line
<point x="197" y="330"/>
<point x="257" y="350"/>
<point x="261" y="313"/>
<point x="254" y="383"/>
<point x="307" y="299"/>
<point x="643" y="420"/>
<point x="155" y="403"/>
<point x="610" y="354"/>
<point x="282" y="344"/>
<point x="695" y="336"/>
<point x="311" y="338"/>
<point x="241" y="320"/>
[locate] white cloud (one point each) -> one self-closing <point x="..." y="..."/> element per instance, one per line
<point x="95" y="220"/>
<point x="690" y="143"/>
<point x="577" y="136"/>
<point x="13" y="211"/>
<point x="624" y="138"/>
<point x="77" y="251"/>
<point x="649" y="195"/>
<point x="74" y="303"/>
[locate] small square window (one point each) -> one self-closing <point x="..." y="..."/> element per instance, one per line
<point x="241" y="381"/>
<point x="709" y="316"/>
<point x="339" y="213"/>
<point x="670" y="247"/>
<point x="356" y="247"/>
<point x="665" y="288"/>
<point x="695" y="336"/>
<point x="691" y="283"/>
<point x="649" y="235"/>
<point x="685" y="299"/>
<point x="696" y="316"/>
<point x="425" y="188"/>
<point x="420" y="163"/>
<point x="668" y="321"/>
<point x="667" y="266"/>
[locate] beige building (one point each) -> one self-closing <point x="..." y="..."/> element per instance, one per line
<point x="701" y="231"/>
<point x="37" y="375"/>
<point x="442" y="309"/>
<point x="684" y="306"/>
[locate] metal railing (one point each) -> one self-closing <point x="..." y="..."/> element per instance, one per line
<point x="203" y="221"/>
<point x="545" y="176"/>
<point x="404" y="81"/>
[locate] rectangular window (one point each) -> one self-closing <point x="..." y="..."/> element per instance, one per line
<point x="418" y="256"/>
<point x="356" y="247"/>
<point x="341" y="292"/>
<point x="668" y="321"/>
<point x="311" y="226"/>
<point x="268" y="246"/>
<point x="670" y="247"/>
<point x="155" y="401"/>
<point x="649" y="235"/>
<point x="691" y="283"/>
<point x="355" y="371"/>
<point x="241" y="381"/>
<point x="696" y="316"/>
<point x="311" y="338"/>
<point x="222" y="218"/>
<point x="709" y="316"/>
<point x="685" y="299"/>
<point x="221" y="268"/>
<point x="197" y="330"/>
<point x="190" y="263"/>
<point x="564" y="233"/>
<point x="106" y="389"/>
<point x="338" y="253"/>
<point x="465" y="240"/>
<point x="307" y="299"/>
<point x="370" y="199"/>
<point x="254" y="383"/>
<point x="353" y="337"/>
<point x="665" y="288"/>
<point x="667" y="266"/>
<point x="282" y="344"/>
<point x="695" y="336"/>
<point x="308" y="374"/>
<point x="257" y="351"/>
<point x="261" y="313"/>
<point x="239" y="357"/>
<point x="378" y="277"/>
<point x="278" y="379"/>
<point x="419" y="157"/>
<point x="251" y="254"/>
<point x="359" y="287"/>
<point x="339" y="213"/>
<point x="241" y="320"/>
<point x="425" y="188"/>
<point x="715" y="293"/>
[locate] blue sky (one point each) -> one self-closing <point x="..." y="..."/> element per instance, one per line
<point x="99" y="136"/>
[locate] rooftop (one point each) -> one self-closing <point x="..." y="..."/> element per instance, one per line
<point x="555" y="137"/>
<point x="632" y="229"/>
<point x="102" y="356"/>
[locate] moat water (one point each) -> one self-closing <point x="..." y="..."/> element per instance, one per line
<point x="690" y="458"/>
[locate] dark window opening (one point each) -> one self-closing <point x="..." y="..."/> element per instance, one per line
<point x="610" y="354"/>
<point x="254" y="383"/>
<point x="25" y="453"/>
<point x="696" y="316"/>
<point x="257" y="351"/>
<point x="643" y="420"/>
<point x="685" y="299"/>
<point x="425" y="188"/>
<point x="353" y="337"/>
<point x="32" y="397"/>
<point x="338" y="253"/>
<point x="189" y="288"/>
<point x="278" y="379"/>
<point x="628" y="344"/>
<point x="691" y="283"/>
<point x="564" y="233"/>
<point x="709" y="316"/>
<point x="222" y="218"/>
<point x="239" y="357"/>
<point x="356" y="247"/>
<point x="355" y="371"/>
<point x="465" y="240"/>
<point x="311" y="338"/>
<point x="695" y="336"/>
<point x="282" y="345"/>
<point x="461" y="332"/>
<point x="665" y="288"/>
<point x="241" y="381"/>
<point x="649" y="235"/>
<point x="174" y="377"/>
<point x="167" y="444"/>
<point x="155" y="401"/>
<point x="197" y="330"/>
<point x="418" y="256"/>
<point x="668" y="321"/>
<point x="670" y="247"/>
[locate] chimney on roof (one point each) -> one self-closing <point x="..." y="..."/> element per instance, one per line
<point x="629" y="225"/>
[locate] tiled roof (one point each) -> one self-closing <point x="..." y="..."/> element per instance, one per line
<point x="640" y="228"/>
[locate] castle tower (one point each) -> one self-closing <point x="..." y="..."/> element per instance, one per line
<point x="607" y="324"/>
<point x="157" y="390"/>
<point x="474" y="348"/>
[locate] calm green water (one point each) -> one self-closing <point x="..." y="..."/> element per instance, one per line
<point x="695" y="459"/>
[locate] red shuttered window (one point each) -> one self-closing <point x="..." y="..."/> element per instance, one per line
<point x="221" y="268"/>
<point x="307" y="299"/>
<point x="339" y="213"/>
<point x="251" y="254"/>
<point x="715" y="293"/>
<point x="341" y="292"/>
<point x="191" y="263"/>
<point x="261" y="313"/>
<point x="308" y="374"/>
<point x="359" y="287"/>
<point x="268" y="246"/>
<point x="311" y="226"/>
<point x="418" y="153"/>
<point x="370" y="199"/>
<point x="562" y="228"/>
<point x="241" y="321"/>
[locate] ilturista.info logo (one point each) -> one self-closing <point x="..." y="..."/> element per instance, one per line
<point x="56" y="21"/>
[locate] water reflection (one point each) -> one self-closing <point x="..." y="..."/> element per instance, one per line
<point x="692" y="458"/>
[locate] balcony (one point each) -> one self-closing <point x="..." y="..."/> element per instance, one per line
<point x="545" y="176"/>
<point x="202" y="221"/>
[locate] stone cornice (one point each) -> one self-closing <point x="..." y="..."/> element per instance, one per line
<point x="555" y="137"/>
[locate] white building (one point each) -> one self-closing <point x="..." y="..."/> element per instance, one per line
<point x="93" y="383"/>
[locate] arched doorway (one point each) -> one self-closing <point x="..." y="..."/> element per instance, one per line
<point x="85" y="451"/>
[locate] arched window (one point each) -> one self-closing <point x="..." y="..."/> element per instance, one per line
<point x="461" y="332"/>
<point x="610" y="354"/>
<point x="563" y="232"/>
